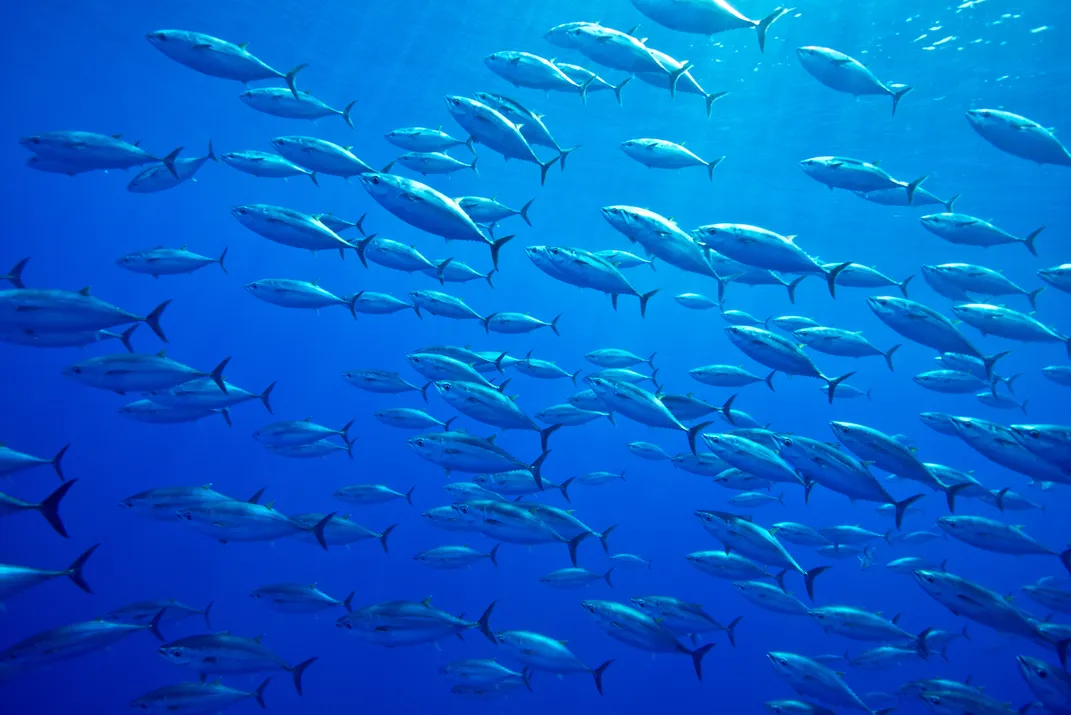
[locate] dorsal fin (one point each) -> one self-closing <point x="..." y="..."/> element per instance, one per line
<point x="243" y="45"/>
<point x="161" y="354"/>
<point x="427" y="602"/>
<point x="84" y="291"/>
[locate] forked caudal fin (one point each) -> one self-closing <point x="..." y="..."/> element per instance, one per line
<point x="697" y="658"/>
<point x="834" y="382"/>
<point x="694" y="432"/>
<point x="763" y="25"/>
<point x="953" y="491"/>
<point x="621" y="85"/>
<point x="896" y="97"/>
<point x="810" y="576"/>
<point x="484" y="624"/>
<point x="644" y="299"/>
<point x="74" y="571"/>
<point x="598" y="673"/>
<point x="298" y="670"/>
<point x="318" y="530"/>
<point x="496" y="246"/>
<point x="49" y="507"/>
<point x="544" y="434"/>
<point x="574" y="543"/>
<point x="831" y="277"/>
<point x="901" y="508"/>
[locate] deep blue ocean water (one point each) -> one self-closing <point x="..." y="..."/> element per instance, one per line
<point x="87" y="66"/>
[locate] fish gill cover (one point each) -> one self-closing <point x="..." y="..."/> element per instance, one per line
<point x="737" y="369"/>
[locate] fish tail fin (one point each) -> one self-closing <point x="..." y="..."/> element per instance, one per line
<point x="920" y="643"/>
<point x="14" y="276"/>
<point x="780" y="578"/>
<point x="74" y="571"/>
<point x="564" y="489"/>
<point x="769" y="380"/>
<point x="496" y="246"/>
<point x="486" y="320"/>
<point x="913" y="186"/>
<point x="951" y="493"/>
<point x="290" y="78"/>
<point x="710" y="99"/>
<point x="604" y="538"/>
<point x="211" y="154"/>
<point x="888" y="356"/>
<point x="154" y="625"/>
<point x="488" y="275"/>
<point x="831" y="277"/>
<point x="650" y="360"/>
<point x="258" y="694"/>
<point x="56" y="462"/>
<point x="620" y="86"/>
<point x="446" y="425"/>
<point x="730" y="630"/>
<point x="473" y="165"/>
<point x="383" y="537"/>
<point x="265" y="397"/>
<point x="217" y="374"/>
<point x="950" y="205"/>
<point x="1032" y="296"/>
<point x="644" y="299"/>
<point x="484" y="623"/>
<point x="544" y="434"/>
<point x="153" y="320"/>
<point x="1000" y="498"/>
<point x="49" y="507"/>
<point x="1065" y="559"/>
<point x="835" y="382"/>
<point x="299" y="670"/>
<point x="990" y="361"/>
<point x="896" y="97"/>
<point x="1029" y="241"/>
<point x="493" y="555"/>
<point x="223" y="257"/>
<point x="902" y="285"/>
<point x="554" y="324"/>
<point x="526" y="676"/>
<point x="318" y="529"/>
<point x="169" y="162"/>
<point x="810" y="576"/>
<point x="711" y="165"/>
<point x="599" y="672"/>
<point x="792" y="286"/>
<point x="544" y="167"/>
<point x="347" y="114"/>
<point x="574" y="543"/>
<point x="206" y="614"/>
<point x="347" y="603"/>
<point x="675" y="76"/>
<point x="606" y="577"/>
<point x="697" y="658"/>
<point x="727" y="409"/>
<point x="524" y="212"/>
<point x="764" y="25"/>
<point x="694" y="432"/>
<point x="901" y="508"/>
<point x="808" y="487"/>
<point x="563" y="153"/>
<point x="424" y="389"/>
<point x="584" y="89"/>
<point x="1023" y="405"/>
<point x="537" y="469"/>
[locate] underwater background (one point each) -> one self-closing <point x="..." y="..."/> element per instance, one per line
<point x="88" y="66"/>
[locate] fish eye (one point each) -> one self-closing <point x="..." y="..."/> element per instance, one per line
<point x="447" y="387"/>
<point x="782" y="661"/>
<point x="457" y="102"/>
<point x="243" y="211"/>
<point x="787" y="441"/>
<point x="76" y="370"/>
<point x="420" y="443"/>
<point x="1043" y="673"/>
<point x="952" y="523"/>
<point x="349" y="626"/>
<point x="554" y="251"/>
<point x="375" y="180"/>
<point x="1036" y="434"/>
<point x="929" y="579"/>
<point x="463" y="509"/>
<point x="176" y="652"/>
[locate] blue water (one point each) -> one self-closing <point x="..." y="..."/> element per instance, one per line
<point x="77" y="66"/>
